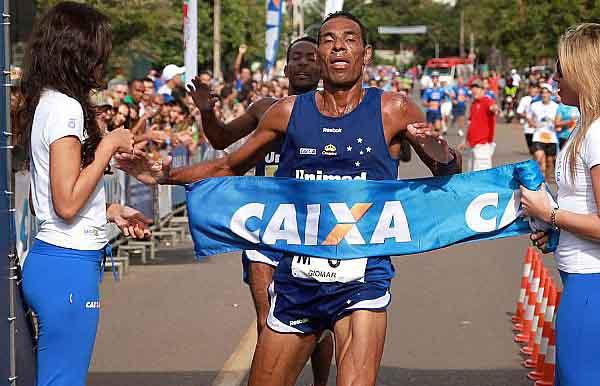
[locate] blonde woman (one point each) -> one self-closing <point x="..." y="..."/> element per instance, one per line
<point x="578" y="179"/>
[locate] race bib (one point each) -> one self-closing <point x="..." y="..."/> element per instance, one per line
<point x="329" y="270"/>
<point x="434" y="105"/>
<point x="546" y="137"/>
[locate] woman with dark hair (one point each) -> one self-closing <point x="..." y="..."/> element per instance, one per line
<point x="57" y="127"/>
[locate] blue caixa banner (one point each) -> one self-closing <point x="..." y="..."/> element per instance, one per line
<point x="354" y="219"/>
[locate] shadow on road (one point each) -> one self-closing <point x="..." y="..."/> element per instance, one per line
<point x="492" y="377"/>
<point x="183" y="378"/>
<point x="388" y="376"/>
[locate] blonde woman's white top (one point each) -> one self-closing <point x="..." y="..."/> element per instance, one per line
<point x="57" y="116"/>
<point x="576" y="254"/>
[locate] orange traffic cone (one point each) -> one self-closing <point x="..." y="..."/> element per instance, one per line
<point x="538" y="373"/>
<point x="518" y="327"/>
<point x="520" y="308"/>
<point x="538" y="323"/>
<point x="550" y="362"/>
<point x="523" y="336"/>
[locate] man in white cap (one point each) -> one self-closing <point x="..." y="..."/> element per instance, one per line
<point x="172" y="77"/>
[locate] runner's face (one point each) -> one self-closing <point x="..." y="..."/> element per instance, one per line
<point x="303" y="70"/>
<point x="342" y="52"/>
<point x="546" y="95"/>
<point x="533" y="91"/>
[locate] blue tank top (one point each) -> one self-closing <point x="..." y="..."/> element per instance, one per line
<point x="353" y="146"/>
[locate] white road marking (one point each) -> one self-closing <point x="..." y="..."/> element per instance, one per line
<point x="237" y="366"/>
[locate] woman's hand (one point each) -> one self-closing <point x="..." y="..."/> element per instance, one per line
<point x="130" y="221"/>
<point x="535" y="203"/>
<point x="120" y="140"/>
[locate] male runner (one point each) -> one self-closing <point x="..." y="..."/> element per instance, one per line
<point x="344" y="131"/>
<point x="522" y="110"/>
<point x="446" y="107"/>
<point x="302" y="70"/>
<point x="460" y="96"/>
<point x="542" y="116"/>
<point x="432" y="100"/>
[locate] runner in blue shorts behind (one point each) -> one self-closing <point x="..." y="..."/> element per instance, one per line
<point x="460" y="96"/>
<point x="432" y="100"/>
<point x="342" y="132"/>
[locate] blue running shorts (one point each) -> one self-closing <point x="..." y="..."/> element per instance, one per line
<point x="309" y="301"/>
<point x="433" y="116"/>
<point x="459" y="110"/>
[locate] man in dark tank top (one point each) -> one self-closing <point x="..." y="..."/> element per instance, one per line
<point x="342" y="132"/>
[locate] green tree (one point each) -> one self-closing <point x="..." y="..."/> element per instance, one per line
<point x="152" y="29"/>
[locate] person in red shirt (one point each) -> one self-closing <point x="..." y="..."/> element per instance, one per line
<point x="482" y="127"/>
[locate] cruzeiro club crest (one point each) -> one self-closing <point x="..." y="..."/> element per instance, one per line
<point x="330" y="150"/>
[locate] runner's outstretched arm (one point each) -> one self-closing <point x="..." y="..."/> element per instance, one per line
<point x="271" y="127"/>
<point x="220" y="134"/>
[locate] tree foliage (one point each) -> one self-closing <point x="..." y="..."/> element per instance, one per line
<point x="506" y="32"/>
<point x="153" y="29"/>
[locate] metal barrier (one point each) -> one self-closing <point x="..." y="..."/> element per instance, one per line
<point x="159" y="203"/>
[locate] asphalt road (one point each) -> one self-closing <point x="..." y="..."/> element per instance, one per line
<point x="179" y="322"/>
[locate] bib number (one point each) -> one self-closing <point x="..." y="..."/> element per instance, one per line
<point x="329" y="270"/>
<point x="546" y="137"/>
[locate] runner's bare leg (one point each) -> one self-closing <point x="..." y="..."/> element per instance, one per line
<point x="359" y="338"/>
<point x="550" y="165"/>
<point x="279" y="358"/>
<point x="540" y="157"/>
<point x="260" y="277"/>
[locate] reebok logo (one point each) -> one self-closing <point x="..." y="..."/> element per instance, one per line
<point x="299" y="321"/>
<point x="332" y="130"/>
